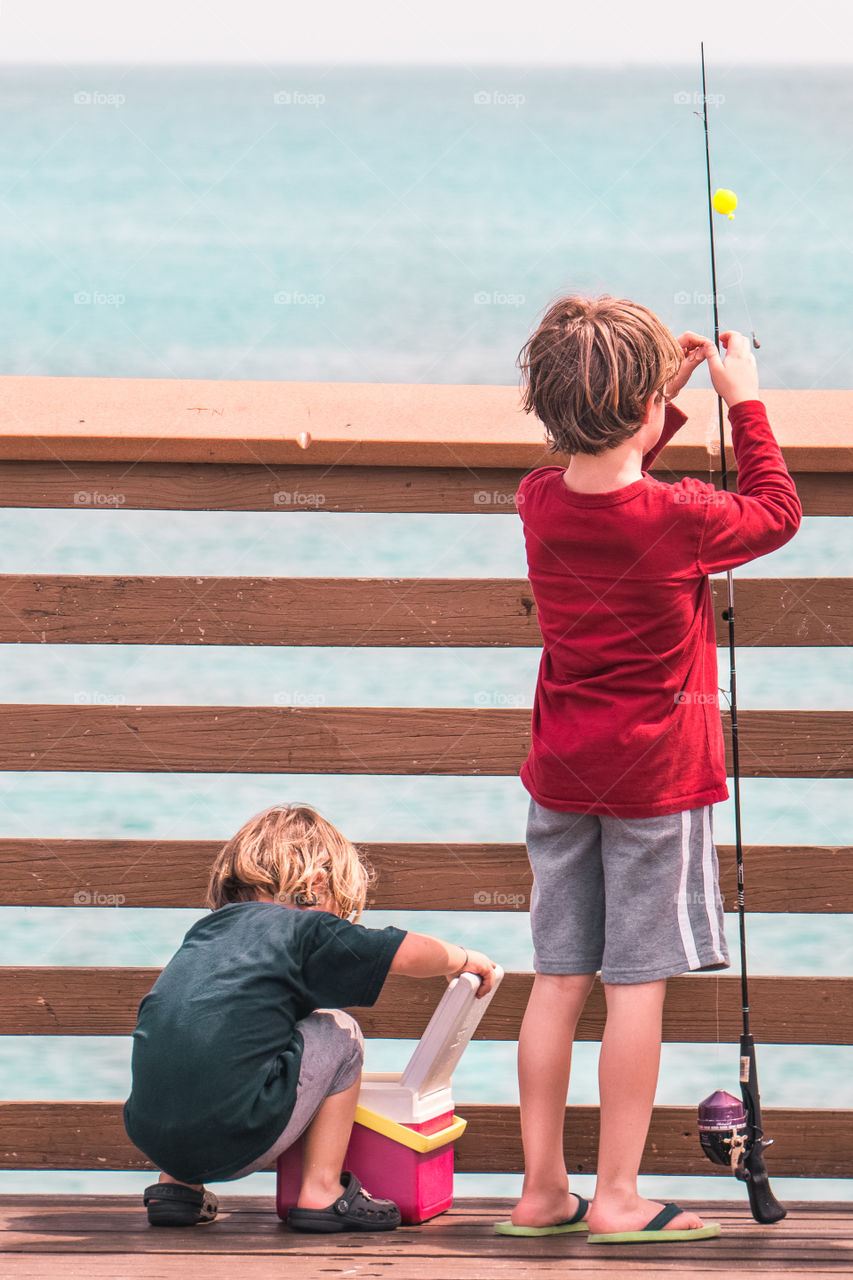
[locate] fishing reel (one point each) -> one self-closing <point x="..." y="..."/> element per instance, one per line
<point x="723" y="1131"/>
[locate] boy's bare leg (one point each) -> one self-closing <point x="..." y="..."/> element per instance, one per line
<point x="627" y="1076"/>
<point x="325" y="1144"/>
<point x="544" y="1064"/>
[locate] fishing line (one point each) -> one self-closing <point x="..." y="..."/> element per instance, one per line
<point x="737" y="283"/>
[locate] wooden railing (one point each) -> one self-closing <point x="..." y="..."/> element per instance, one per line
<point x="300" y="447"/>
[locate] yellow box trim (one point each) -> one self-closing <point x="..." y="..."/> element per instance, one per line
<point x="421" y="1142"/>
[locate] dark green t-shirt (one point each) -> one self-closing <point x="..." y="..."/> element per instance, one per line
<point x="216" y="1052"/>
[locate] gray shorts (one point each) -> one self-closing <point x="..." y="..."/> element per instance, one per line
<point x="331" y="1062"/>
<point x="637" y="898"/>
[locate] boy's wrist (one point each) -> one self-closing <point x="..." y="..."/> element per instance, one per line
<point x="737" y="404"/>
<point x="460" y="968"/>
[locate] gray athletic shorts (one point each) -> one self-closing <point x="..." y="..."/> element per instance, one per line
<point x="331" y="1062"/>
<point x="637" y="898"/>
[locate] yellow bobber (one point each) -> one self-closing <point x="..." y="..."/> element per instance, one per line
<point x="725" y="201"/>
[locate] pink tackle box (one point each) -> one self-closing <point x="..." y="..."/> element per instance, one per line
<point x="401" y="1147"/>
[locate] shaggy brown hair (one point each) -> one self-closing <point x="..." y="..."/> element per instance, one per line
<point x="280" y="851"/>
<point x="590" y="368"/>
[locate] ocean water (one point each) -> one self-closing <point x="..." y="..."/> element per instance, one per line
<point x="381" y="225"/>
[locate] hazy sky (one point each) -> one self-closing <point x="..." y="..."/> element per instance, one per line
<point x="438" y="31"/>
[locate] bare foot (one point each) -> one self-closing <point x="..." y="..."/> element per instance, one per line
<point x="544" y="1211"/>
<point x="620" y="1215"/>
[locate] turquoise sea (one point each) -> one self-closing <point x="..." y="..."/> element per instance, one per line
<point x="395" y="225"/>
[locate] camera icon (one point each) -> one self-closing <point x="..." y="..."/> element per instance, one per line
<point x="483" y="98"/>
<point x="82" y="499"/>
<point x="82" y="898"/>
<point x="83" y="298"/>
<point x="283" y="98"/>
<point x="482" y="299"/>
<point x="82" y="98"/>
<point x="682" y="298"/>
<point x="482" y="498"/>
<point x="682" y="99"/>
<point x="482" y="898"/>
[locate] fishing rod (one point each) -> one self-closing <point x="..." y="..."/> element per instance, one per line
<point x="732" y="1134"/>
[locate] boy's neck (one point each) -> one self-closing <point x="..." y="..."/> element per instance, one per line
<point x="603" y="472"/>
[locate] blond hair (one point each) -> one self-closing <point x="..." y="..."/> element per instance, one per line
<point x="280" y="851"/>
<point x="590" y="368"/>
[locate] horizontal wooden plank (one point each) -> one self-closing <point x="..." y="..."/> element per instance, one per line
<point x="494" y="612"/>
<point x="43" y="1236"/>
<point x="410" y="877"/>
<point x="214" y="1260"/>
<point x="806" y="1143"/>
<point x="66" y="1000"/>
<point x="358" y="423"/>
<point x="445" y="741"/>
<point x="198" y="486"/>
<point x="56" y="1234"/>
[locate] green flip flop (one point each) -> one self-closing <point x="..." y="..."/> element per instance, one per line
<point x="653" y="1232"/>
<point x="575" y="1223"/>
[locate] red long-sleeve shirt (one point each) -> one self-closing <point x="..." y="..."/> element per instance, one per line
<point x="626" y="717"/>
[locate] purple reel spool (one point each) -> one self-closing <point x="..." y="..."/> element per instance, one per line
<point x="722" y="1128"/>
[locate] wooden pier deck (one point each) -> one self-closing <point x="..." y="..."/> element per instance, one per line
<point x="108" y="1238"/>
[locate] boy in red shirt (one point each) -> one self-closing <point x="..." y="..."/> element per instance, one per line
<point x="627" y="752"/>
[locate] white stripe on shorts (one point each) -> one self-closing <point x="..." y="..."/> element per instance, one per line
<point x="684" y="926"/>
<point x="708" y="879"/>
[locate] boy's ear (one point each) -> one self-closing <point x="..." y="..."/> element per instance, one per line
<point x="651" y="405"/>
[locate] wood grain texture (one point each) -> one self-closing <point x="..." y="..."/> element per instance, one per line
<point x="187" y="486"/>
<point x="355" y="423"/>
<point x="806" y="1143"/>
<point x="442" y="741"/>
<point x="108" y="1238"/>
<point x="410" y="877"/>
<point x="47" y="1000"/>
<point x="430" y="612"/>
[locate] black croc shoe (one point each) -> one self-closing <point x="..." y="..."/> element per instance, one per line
<point x="171" y="1204"/>
<point x="355" y="1210"/>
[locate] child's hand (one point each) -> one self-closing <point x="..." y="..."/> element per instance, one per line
<point x="736" y="379"/>
<point x="484" y="968"/>
<point x="694" y="347"/>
